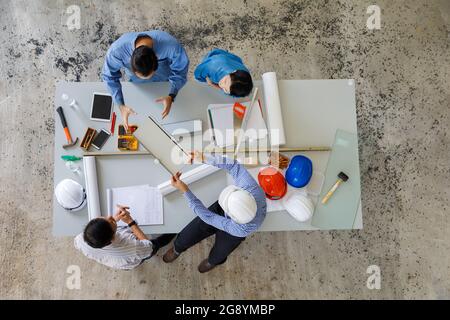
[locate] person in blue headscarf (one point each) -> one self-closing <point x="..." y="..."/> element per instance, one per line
<point x="225" y="71"/>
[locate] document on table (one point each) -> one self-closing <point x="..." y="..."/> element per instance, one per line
<point x="145" y="202"/>
<point x="222" y="120"/>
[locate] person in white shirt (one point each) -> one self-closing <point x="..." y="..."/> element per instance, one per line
<point x="118" y="247"/>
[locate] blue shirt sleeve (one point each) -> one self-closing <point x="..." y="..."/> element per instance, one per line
<point x="217" y="221"/>
<point x="200" y="72"/>
<point x="179" y="68"/>
<point x="240" y="175"/>
<point x="111" y="75"/>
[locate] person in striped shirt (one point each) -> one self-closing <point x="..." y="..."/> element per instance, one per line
<point x="122" y="248"/>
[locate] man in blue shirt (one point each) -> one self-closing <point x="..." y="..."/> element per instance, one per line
<point x="239" y="212"/>
<point x="150" y="56"/>
<point x="225" y="71"/>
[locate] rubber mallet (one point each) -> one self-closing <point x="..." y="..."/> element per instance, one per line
<point x="342" y="177"/>
<point x="70" y="142"/>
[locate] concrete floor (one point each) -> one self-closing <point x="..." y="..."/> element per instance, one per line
<point x="402" y="74"/>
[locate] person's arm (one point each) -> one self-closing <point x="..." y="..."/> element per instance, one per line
<point x="208" y="216"/>
<point x="138" y="232"/>
<point x="237" y="171"/>
<point x="200" y="72"/>
<point x="179" y="65"/>
<point x="111" y="75"/>
<point x="124" y="215"/>
<point x="179" y="68"/>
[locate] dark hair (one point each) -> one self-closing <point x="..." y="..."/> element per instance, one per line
<point x="144" y="60"/>
<point x="241" y="83"/>
<point x="98" y="233"/>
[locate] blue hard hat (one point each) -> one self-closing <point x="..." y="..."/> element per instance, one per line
<point x="299" y="171"/>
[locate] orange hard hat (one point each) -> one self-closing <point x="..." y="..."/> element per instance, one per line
<point x="273" y="183"/>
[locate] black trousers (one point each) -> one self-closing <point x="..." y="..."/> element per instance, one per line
<point x="163" y="240"/>
<point x="197" y="230"/>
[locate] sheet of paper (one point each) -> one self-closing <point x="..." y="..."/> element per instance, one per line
<point x="145" y="202"/>
<point x="256" y="122"/>
<point x="222" y="120"/>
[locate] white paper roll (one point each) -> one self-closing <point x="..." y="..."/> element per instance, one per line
<point x="188" y="177"/>
<point x="109" y="201"/>
<point x="90" y="177"/>
<point x="274" y="117"/>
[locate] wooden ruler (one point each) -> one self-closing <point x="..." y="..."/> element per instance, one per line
<point x="215" y="150"/>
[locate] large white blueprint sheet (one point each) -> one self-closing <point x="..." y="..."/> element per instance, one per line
<point x="145" y="202"/>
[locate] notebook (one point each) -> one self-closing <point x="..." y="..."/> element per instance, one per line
<point x="223" y="122"/>
<point x="145" y="202"/>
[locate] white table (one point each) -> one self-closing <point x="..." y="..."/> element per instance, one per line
<point x="312" y="111"/>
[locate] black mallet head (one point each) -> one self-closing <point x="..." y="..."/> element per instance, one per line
<point x="343" y="176"/>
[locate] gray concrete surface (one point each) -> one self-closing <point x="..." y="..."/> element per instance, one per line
<point x="401" y="74"/>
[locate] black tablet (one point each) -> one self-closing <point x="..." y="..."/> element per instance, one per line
<point x="102" y="106"/>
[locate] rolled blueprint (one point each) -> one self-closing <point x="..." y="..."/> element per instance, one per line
<point x="109" y="201"/>
<point x="90" y="177"/>
<point x="273" y="109"/>
<point x="188" y="177"/>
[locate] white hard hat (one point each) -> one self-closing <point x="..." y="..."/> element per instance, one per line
<point x="238" y="204"/>
<point x="70" y="195"/>
<point x="298" y="205"/>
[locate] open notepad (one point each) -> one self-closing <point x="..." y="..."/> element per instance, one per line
<point x="145" y="202"/>
<point x="223" y="121"/>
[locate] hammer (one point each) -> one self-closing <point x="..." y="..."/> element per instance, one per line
<point x="342" y="177"/>
<point x="70" y="142"/>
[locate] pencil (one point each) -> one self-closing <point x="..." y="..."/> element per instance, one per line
<point x="113" y="123"/>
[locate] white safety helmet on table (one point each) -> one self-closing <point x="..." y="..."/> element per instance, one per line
<point x="70" y="195"/>
<point x="298" y="205"/>
<point x="238" y="204"/>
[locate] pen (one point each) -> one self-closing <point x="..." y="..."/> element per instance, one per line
<point x="113" y="123"/>
<point x="212" y="126"/>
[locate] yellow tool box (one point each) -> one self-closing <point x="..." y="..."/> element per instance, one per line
<point x="127" y="141"/>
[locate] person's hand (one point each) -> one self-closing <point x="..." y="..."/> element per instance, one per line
<point x="167" y="103"/>
<point x="126" y="111"/>
<point x="197" y="156"/>
<point x="177" y="183"/>
<point x="123" y="214"/>
<point x="212" y="84"/>
<point x="120" y="209"/>
<point x="278" y="160"/>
